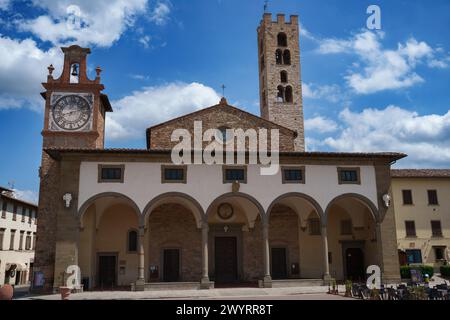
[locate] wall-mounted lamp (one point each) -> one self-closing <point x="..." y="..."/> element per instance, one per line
<point x="387" y="200"/>
<point x="67" y="199"/>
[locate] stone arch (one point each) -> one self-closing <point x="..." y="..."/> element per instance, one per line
<point x="99" y="196"/>
<point x="239" y="195"/>
<point x="303" y="196"/>
<point x="362" y="199"/>
<point x="178" y="197"/>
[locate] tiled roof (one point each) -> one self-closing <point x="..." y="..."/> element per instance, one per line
<point x="420" y="173"/>
<point x="393" y="156"/>
<point x="8" y="196"/>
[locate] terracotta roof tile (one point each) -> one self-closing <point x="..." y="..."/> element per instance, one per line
<point x="420" y="173"/>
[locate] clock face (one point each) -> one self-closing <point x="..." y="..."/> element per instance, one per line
<point x="71" y="112"/>
<point x="225" y="211"/>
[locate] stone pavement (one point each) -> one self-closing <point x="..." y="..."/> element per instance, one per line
<point x="301" y="293"/>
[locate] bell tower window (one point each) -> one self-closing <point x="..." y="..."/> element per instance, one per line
<point x="287" y="57"/>
<point x="279" y="56"/>
<point x="280" y="94"/>
<point x="283" y="76"/>
<point x="288" y="94"/>
<point x="75" y="73"/>
<point x="282" y="39"/>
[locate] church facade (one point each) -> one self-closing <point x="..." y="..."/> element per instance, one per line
<point x="132" y="217"/>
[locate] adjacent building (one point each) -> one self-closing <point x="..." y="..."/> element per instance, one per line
<point x="422" y="214"/>
<point x="18" y="220"/>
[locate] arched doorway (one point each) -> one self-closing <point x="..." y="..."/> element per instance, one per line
<point x="352" y="240"/>
<point x="294" y="237"/>
<point x="235" y="240"/>
<point x="106" y="259"/>
<point x="173" y="239"/>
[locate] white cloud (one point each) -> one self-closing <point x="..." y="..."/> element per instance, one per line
<point x="22" y="70"/>
<point x="425" y="138"/>
<point x="305" y="33"/>
<point x="382" y="69"/>
<point x="85" y="22"/>
<point x="152" y="105"/>
<point x="160" y="13"/>
<point x="331" y="93"/>
<point x="4" y="4"/>
<point x="145" y="41"/>
<point x="320" y="124"/>
<point x="26" y="195"/>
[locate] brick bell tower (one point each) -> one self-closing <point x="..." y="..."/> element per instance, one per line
<point x="279" y="74"/>
<point x="74" y="118"/>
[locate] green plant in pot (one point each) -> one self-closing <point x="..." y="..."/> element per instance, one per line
<point x="334" y="289"/>
<point x="348" y="288"/>
<point x="375" y="294"/>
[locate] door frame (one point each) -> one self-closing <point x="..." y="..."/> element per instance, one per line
<point x="107" y="254"/>
<point x="217" y="230"/>
<point x="287" y="260"/>
<point x="352" y="245"/>
<point x="161" y="257"/>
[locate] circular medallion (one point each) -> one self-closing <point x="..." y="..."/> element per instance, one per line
<point x="225" y="211"/>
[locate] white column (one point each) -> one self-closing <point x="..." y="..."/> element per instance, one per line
<point x="141" y="268"/>
<point x="204" y="282"/>
<point x="266" y="251"/>
<point x="326" y="266"/>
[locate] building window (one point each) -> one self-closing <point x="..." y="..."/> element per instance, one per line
<point x="262" y="63"/>
<point x="346" y="227"/>
<point x="407" y="197"/>
<point x="234" y="173"/>
<point x="11" y="240"/>
<point x="24" y="211"/>
<point x="280" y="94"/>
<point x="14" y="217"/>
<point x="414" y="256"/>
<point x="4" y="207"/>
<point x="173" y="174"/>
<point x="314" y="227"/>
<point x="29" y="216"/>
<point x="349" y="176"/>
<point x="439" y="253"/>
<point x="432" y="198"/>
<point x="436" y="228"/>
<point x="28" y="241"/>
<point x="288" y="94"/>
<point x="21" y="240"/>
<point x="132" y="241"/>
<point x="283" y="76"/>
<point x="2" y="237"/>
<point x="34" y="240"/>
<point x="110" y="173"/>
<point x="287" y="57"/>
<point x="293" y="174"/>
<point x="282" y="39"/>
<point x="278" y="56"/>
<point x="410" y="227"/>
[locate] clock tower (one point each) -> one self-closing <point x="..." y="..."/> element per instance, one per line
<point x="75" y="109"/>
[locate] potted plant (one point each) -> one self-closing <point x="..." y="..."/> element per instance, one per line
<point x="65" y="292"/>
<point x="6" y="292"/>
<point x="348" y="288"/>
<point x="334" y="287"/>
<point x="375" y="294"/>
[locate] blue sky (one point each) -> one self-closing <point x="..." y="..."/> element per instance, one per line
<point x="364" y="90"/>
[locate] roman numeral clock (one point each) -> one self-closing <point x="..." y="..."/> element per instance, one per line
<point x="71" y="111"/>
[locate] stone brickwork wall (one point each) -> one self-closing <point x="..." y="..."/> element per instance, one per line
<point x="253" y="253"/>
<point x="283" y="233"/>
<point x="215" y="117"/>
<point x="172" y="226"/>
<point x="286" y="114"/>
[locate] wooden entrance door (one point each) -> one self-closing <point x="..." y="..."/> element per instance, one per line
<point x="171" y="265"/>
<point x="279" y="267"/>
<point x="225" y="259"/>
<point x="107" y="274"/>
<point x="355" y="264"/>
